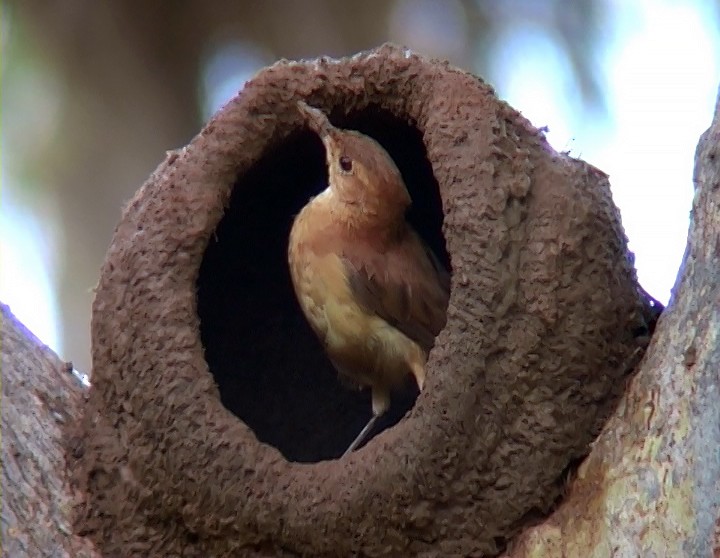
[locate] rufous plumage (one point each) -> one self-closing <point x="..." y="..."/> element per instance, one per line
<point x="372" y="291"/>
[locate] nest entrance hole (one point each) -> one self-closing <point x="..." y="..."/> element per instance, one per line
<point x="271" y="370"/>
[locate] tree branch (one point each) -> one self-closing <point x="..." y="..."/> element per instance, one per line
<point x="41" y="401"/>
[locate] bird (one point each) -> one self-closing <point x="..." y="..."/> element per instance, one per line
<point x="372" y="291"/>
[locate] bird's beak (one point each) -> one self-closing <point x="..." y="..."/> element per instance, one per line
<point x="316" y="120"/>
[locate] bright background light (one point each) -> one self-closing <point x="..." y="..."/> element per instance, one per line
<point x="26" y="270"/>
<point x="660" y="78"/>
<point x="657" y="68"/>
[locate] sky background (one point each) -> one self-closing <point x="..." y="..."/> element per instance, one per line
<point x="657" y="71"/>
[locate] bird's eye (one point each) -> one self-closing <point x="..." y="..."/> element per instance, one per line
<point x="345" y="163"/>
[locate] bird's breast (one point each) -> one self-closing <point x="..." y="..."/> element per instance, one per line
<point x="363" y="346"/>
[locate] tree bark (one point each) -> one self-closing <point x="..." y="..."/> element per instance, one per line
<point x="41" y="401"/>
<point x="650" y="484"/>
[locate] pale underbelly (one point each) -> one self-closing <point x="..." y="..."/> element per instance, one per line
<point x="363" y="347"/>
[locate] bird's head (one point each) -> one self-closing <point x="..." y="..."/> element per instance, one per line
<point x="361" y="174"/>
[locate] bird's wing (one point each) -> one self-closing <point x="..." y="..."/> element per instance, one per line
<point x="406" y="286"/>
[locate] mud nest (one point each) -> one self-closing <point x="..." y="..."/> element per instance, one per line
<point x="215" y="418"/>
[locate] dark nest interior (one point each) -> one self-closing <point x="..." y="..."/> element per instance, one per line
<point x="271" y="369"/>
